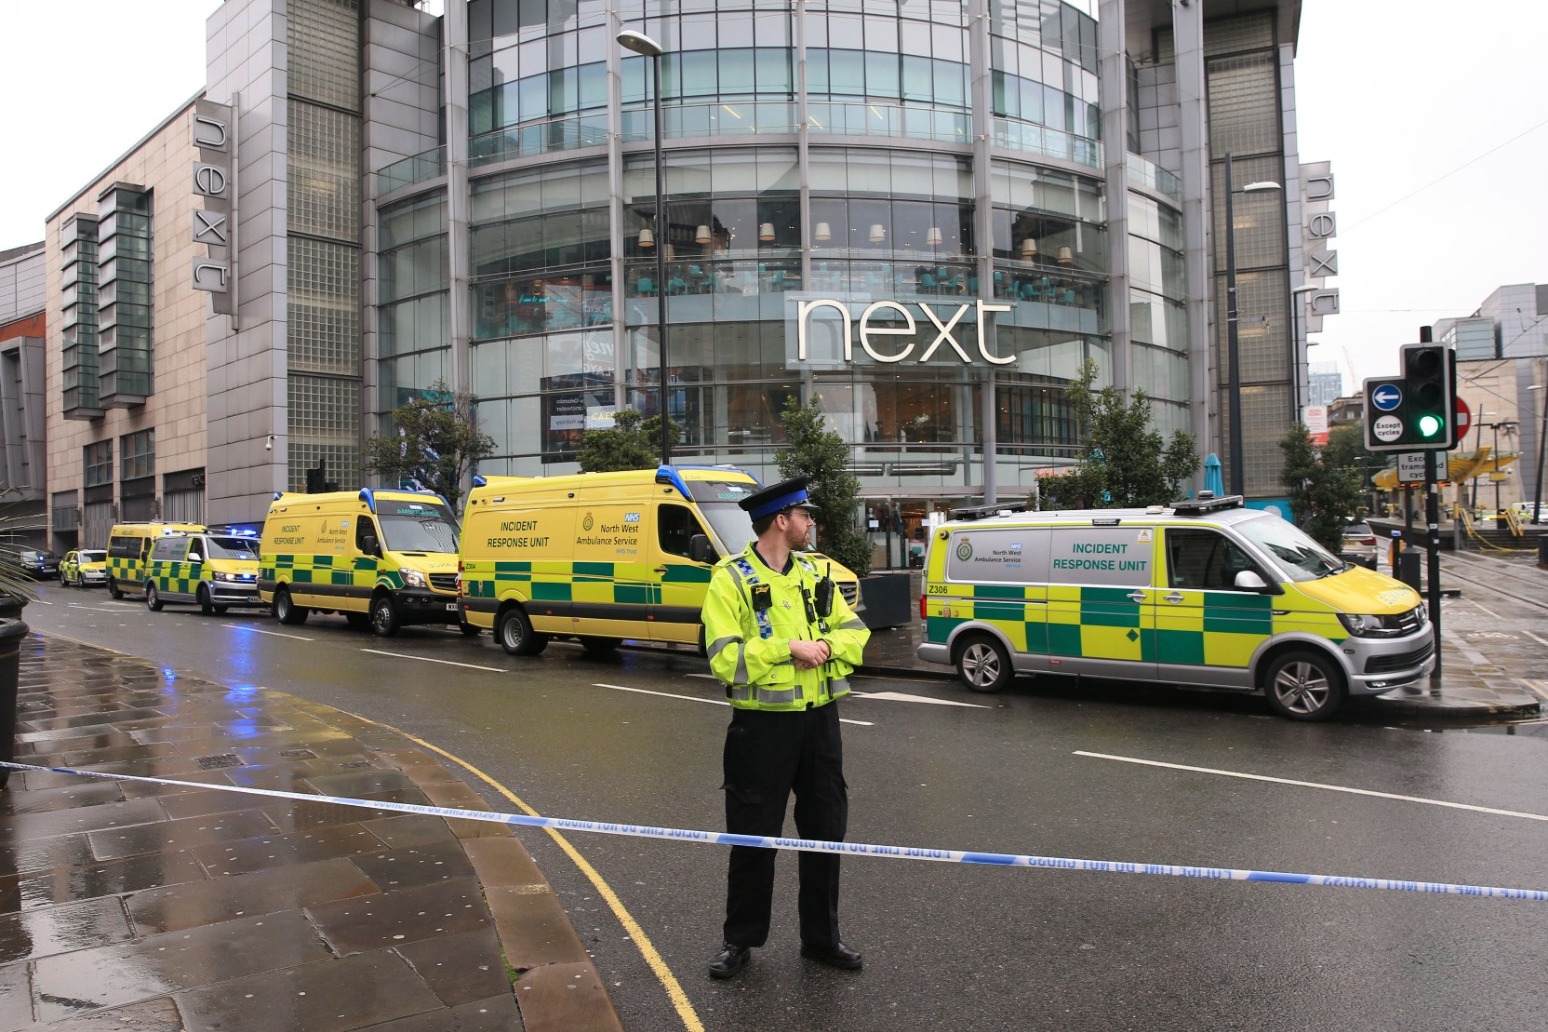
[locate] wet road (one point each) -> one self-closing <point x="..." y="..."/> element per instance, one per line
<point x="962" y="947"/>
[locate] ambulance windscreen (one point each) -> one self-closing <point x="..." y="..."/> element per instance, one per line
<point x="730" y="523"/>
<point x="1296" y="555"/>
<point x="416" y="527"/>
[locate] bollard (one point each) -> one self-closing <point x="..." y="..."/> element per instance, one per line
<point x="1394" y="550"/>
<point x="1408" y="570"/>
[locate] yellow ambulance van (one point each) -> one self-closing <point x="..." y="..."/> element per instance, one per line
<point x="381" y="558"/>
<point x="1204" y="593"/>
<point x="129" y="546"/>
<point x="211" y="570"/>
<point x="604" y="556"/>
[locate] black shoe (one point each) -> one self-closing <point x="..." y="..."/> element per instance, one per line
<point x="838" y="955"/>
<point x="730" y="960"/>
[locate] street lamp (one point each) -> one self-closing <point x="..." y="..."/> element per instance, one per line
<point x="1542" y="436"/>
<point x="1233" y="356"/>
<point x="1295" y="348"/>
<point x="643" y="44"/>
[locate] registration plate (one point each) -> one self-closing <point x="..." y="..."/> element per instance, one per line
<point x="451" y="607"/>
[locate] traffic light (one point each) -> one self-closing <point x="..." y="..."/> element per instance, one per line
<point x="1418" y="410"/>
<point x="1429" y="410"/>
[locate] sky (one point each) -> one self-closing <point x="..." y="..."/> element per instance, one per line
<point x="1435" y="122"/>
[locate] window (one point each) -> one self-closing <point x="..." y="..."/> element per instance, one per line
<point x="139" y="454"/>
<point x="97" y="461"/>
<point x="1203" y="559"/>
<point x="677" y="526"/>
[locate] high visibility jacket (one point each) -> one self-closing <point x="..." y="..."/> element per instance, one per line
<point x="750" y="652"/>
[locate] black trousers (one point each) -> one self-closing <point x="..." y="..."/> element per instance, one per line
<point x="767" y="755"/>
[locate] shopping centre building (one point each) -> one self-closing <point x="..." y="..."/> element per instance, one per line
<point x="924" y="216"/>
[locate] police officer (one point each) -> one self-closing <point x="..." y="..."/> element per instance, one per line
<point x="782" y="641"/>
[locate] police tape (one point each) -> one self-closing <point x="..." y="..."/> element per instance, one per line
<point x="955" y="856"/>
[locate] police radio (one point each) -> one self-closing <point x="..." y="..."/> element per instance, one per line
<point x="825" y="594"/>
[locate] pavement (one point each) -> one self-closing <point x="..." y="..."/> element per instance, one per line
<point x="162" y="908"/>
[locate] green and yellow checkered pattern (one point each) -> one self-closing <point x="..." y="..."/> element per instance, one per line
<point x="362" y="573"/>
<point x="622" y="584"/>
<point x="1206" y="629"/>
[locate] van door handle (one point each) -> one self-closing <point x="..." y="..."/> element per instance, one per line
<point x="1174" y="598"/>
<point x="1136" y="596"/>
<point x="661" y="569"/>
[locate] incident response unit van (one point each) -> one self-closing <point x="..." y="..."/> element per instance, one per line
<point x="209" y="569"/>
<point x="604" y="556"/>
<point x="1204" y="593"/>
<point x="381" y="558"/>
<point x="129" y="546"/>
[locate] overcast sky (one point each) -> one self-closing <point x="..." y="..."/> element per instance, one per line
<point x="1434" y="116"/>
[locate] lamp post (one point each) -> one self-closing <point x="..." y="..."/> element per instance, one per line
<point x="1233" y="349"/>
<point x="1295" y="348"/>
<point x="1494" y="459"/>
<point x="643" y="44"/>
<point x="1542" y="436"/>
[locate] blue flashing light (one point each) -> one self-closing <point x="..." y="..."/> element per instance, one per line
<point x="479" y="480"/>
<point x="369" y="498"/>
<point x="670" y="475"/>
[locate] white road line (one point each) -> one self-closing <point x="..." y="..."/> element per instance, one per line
<point x="1314" y="784"/>
<point x="1489" y="611"/>
<point x="1537" y="688"/>
<point x="905" y="697"/>
<point x="443" y="662"/>
<point x="1534" y="637"/>
<point x="277" y="634"/>
<point x="695" y="698"/>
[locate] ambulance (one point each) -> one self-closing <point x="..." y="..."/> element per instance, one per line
<point x="383" y="559"/>
<point x="602" y="557"/>
<point x="129" y="546"/>
<point x="211" y="569"/>
<point x="1204" y="593"/>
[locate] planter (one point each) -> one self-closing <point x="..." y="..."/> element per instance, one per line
<point x="12" y="631"/>
<point x="888" y="602"/>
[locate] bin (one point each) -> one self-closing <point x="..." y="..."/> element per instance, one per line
<point x="1408" y="569"/>
<point x="12" y="631"/>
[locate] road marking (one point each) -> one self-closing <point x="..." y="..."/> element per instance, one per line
<point x="1538" y="688"/>
<point x="1315" y="784"/>
<point x="636" y="932"/>
<point x="276" y="634"/>
<point x="695" y="698"/>
<point x="443" y="662"/>
<point x="905" y="697"/>
<point x="1489" y="611"/>
<point x="1534" y="637"/>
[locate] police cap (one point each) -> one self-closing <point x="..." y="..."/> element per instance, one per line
<point x="790" y="494"/>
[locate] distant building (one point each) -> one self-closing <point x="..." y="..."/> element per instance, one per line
<point x="1323" y="383"/>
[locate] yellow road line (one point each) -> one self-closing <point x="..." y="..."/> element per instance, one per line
<point x="669" y="982"/>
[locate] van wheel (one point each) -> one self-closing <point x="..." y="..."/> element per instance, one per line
<point x="286" y="611"/>
<point x="599" y="646"/>
<point x="515" y="634"/>
<point x="384" y="616"/>
<point x="984" y="665"/>
<point x="1303" y="685"/>
<point x="113" y="588"/>
<point x="152" y="600"/>
<point x="205" y="605"/>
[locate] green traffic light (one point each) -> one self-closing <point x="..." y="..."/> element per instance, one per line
<point x="1430" y="426"/>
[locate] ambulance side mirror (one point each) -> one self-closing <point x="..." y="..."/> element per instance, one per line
<point x="700" y="550"/>
<point x="1248" y="580"/>
<point x="195" y="557"/>
<point x="369" y="546"/>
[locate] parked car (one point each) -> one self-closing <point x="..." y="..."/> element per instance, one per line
<point x="37" y="564"/>
<point x="84" y="567"/>
<point x="1359" y="545"/>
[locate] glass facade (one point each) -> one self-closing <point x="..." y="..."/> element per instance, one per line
<point x="853" y="216"/>
<point x="125" y="373"/>
<point x="78" y="252"/>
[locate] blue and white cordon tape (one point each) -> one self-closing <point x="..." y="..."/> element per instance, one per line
<point x="952" y="856"/>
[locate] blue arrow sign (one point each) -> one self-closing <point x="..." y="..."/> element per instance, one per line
<point x="1386" y="397"/>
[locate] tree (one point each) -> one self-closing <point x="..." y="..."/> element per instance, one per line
<point x="1124" y="462"/>
<point x="435" y="442"/>
<point x="632" y="442"/>
<point x="1326" y="488"/>
<point x="822" y="455"/>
